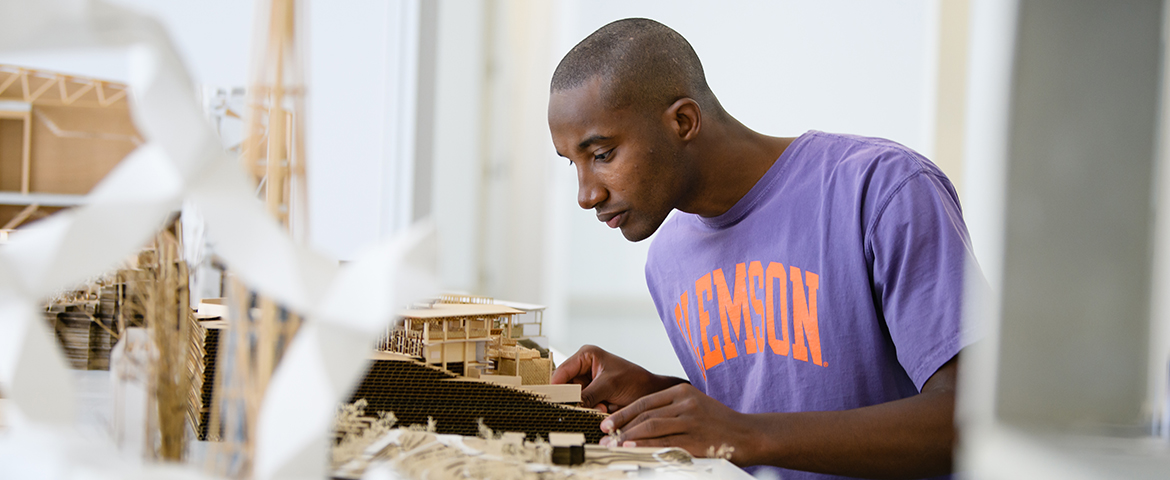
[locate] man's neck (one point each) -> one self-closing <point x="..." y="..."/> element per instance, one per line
<point x="732" y="158"/>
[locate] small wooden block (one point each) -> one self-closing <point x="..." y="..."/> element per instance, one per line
<point x="563" y="393"/>
<point x="510" y="380"/>
<point x="567" y="448"/>
<point x="211" y="310"/>
<point x="559" y="439"/>
<point x="568" y="455"/>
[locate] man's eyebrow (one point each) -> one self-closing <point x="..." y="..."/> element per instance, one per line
<point x="591" y="140"/>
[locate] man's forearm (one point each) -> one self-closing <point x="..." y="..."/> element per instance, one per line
<point x="909" y="438"/>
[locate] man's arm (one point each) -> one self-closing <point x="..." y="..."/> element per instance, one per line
<point x="909" y="438"/>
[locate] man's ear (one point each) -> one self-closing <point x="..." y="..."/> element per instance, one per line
<point x="684" y="118"/>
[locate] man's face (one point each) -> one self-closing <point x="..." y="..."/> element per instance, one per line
<point x="628" y="167"/>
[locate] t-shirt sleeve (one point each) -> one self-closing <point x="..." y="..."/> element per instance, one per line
<point x="920" y="249"/>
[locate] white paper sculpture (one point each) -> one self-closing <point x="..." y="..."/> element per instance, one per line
<point x="182" y="159"/>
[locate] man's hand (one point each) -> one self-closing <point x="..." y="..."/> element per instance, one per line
<point x="682" y="416"/>
<point x="609" y="382"/>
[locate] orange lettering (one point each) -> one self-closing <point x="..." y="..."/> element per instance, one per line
<point x="804" y="317"/>
<point x="711" y="357"/>
<point x="756" y="277"/>
<point x="736" y="309"/>
<point x="682" y="316"/>
<point x="776" y="273"/>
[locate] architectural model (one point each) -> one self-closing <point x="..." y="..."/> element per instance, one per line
<point x="60" y="135"/>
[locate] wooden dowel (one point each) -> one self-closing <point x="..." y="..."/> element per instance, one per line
<point x="81" y="91"/>
<point x="44" y="88"/>
<point x="114" y="98"/>
<point x="61" y="89"/>
<point x="426" y="340"/>
<point x="11" y="79"/>
<point x="20" y="218"/>
<point x="26" y="155"/>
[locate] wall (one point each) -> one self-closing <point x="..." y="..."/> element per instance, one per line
<point x="355" y="51"/>
<point x="460" y="86"/>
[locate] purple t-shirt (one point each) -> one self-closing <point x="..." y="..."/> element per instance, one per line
<point x="835" y="283"/>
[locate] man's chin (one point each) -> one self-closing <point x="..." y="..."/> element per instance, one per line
<point x="636" y="233"/>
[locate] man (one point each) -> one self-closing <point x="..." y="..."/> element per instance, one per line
<point x="810" y="286"/>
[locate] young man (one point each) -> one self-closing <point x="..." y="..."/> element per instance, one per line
<point x="810" y="286"/>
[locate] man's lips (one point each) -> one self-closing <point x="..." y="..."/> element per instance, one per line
<point x="613" y="220"/>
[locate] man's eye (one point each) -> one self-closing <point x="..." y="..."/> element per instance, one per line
<point x="601" y="157"/>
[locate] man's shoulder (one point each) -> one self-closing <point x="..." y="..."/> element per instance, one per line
<point x="872" y="154"/>
<point x="869" y="169"/>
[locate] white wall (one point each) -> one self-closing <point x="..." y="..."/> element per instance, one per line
<point x="458" y="153"/>
<point x="350" y="63"/>
<point x="354" y="57"/>
<point x="213" y="37"/>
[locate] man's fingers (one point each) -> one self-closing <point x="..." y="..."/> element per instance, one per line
<point x="598" y="392"/>
<point x="659" y="422"/>
<point x="667" y="441"/>
<point x="649" y="442"/>
<point x="606" y="407"/>
<point x="620" y="418"/>
<point x="573" y="367"/>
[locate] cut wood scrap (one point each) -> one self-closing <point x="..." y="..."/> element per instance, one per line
<point x="208" y="310"/>
<point x="513" y="352"/>
<point x="639" y="456"/>
<point x="562" y="439"/>
<point x="563" y="393"/>
<point x="509" y="380"/>
<point x="568" y="448"/>
<point x="213" y="323"/>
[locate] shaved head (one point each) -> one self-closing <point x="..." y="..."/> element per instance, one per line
<point x="641" y="63"/>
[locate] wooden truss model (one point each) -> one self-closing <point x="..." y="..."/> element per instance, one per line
<point x="60" y="135"/>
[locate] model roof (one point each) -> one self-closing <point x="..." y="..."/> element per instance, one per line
<point x="450" y="310"/>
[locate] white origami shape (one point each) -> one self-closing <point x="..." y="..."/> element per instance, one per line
<point x="345" y="308"/>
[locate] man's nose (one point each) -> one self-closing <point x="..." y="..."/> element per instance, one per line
<point x="590" y="193"/>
